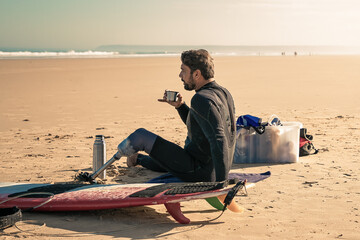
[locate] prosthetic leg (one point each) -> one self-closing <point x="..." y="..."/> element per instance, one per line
<point x="87" y="177"/>
<point x="140" y="140"/>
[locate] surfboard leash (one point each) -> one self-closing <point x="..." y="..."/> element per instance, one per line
<point x="10" y="217"/>
<point x="231" y="195"/>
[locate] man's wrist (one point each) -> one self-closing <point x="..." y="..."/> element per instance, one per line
<point x="177" y="107"/>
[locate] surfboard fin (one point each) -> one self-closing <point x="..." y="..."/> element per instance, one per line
<point x="175" y="211"/>
<point x="228" y="198"/>
<point x="232" y="206"/>
<point x="215" y="203"/>
<point x="218" y="203"/>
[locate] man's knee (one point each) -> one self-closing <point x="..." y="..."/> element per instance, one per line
<point x="140" y="131"/>
<point x="142" y="139"/>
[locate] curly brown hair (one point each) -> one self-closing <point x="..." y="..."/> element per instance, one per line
<point x="199" y="59"/>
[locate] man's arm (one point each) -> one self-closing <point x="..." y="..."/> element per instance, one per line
<point x="210" y="121"/>
<point x="183" y="111"/>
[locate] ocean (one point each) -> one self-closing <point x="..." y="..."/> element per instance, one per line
<point x="121" y="51"/>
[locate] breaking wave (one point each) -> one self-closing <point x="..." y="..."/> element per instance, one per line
<point x="68" y="54"/>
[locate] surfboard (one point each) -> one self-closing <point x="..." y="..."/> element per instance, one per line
<point x="83" y="197"/>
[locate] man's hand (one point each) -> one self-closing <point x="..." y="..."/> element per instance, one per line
<point x="175" y="104"/>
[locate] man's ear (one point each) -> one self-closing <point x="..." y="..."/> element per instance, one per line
<point x="197" y="74"/>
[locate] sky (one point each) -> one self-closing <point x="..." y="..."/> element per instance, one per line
<point x="87" y="24"/>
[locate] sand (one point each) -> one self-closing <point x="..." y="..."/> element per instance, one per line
<point x="51" y="109"/>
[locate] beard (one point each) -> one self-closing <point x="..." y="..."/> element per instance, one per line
<point x="190" y="85"/>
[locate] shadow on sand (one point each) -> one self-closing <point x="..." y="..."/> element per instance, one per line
<point x="133" y="223"/>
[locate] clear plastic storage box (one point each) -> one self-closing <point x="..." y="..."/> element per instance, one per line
<point x="278" y="144"/>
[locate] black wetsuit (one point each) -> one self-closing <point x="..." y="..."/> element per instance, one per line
<point x="210" y="144"/>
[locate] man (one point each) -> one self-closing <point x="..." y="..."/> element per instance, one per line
<point x="210" y="120"/>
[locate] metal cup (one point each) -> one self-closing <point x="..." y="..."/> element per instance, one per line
<point x="171" y="95"/>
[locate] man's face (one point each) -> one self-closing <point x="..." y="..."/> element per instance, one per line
<point x="187" y="78"/>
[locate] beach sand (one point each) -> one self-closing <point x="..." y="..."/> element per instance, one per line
<point x="51" y="110"/>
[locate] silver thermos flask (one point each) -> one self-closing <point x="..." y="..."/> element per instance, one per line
<point x="99" y="155"/>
